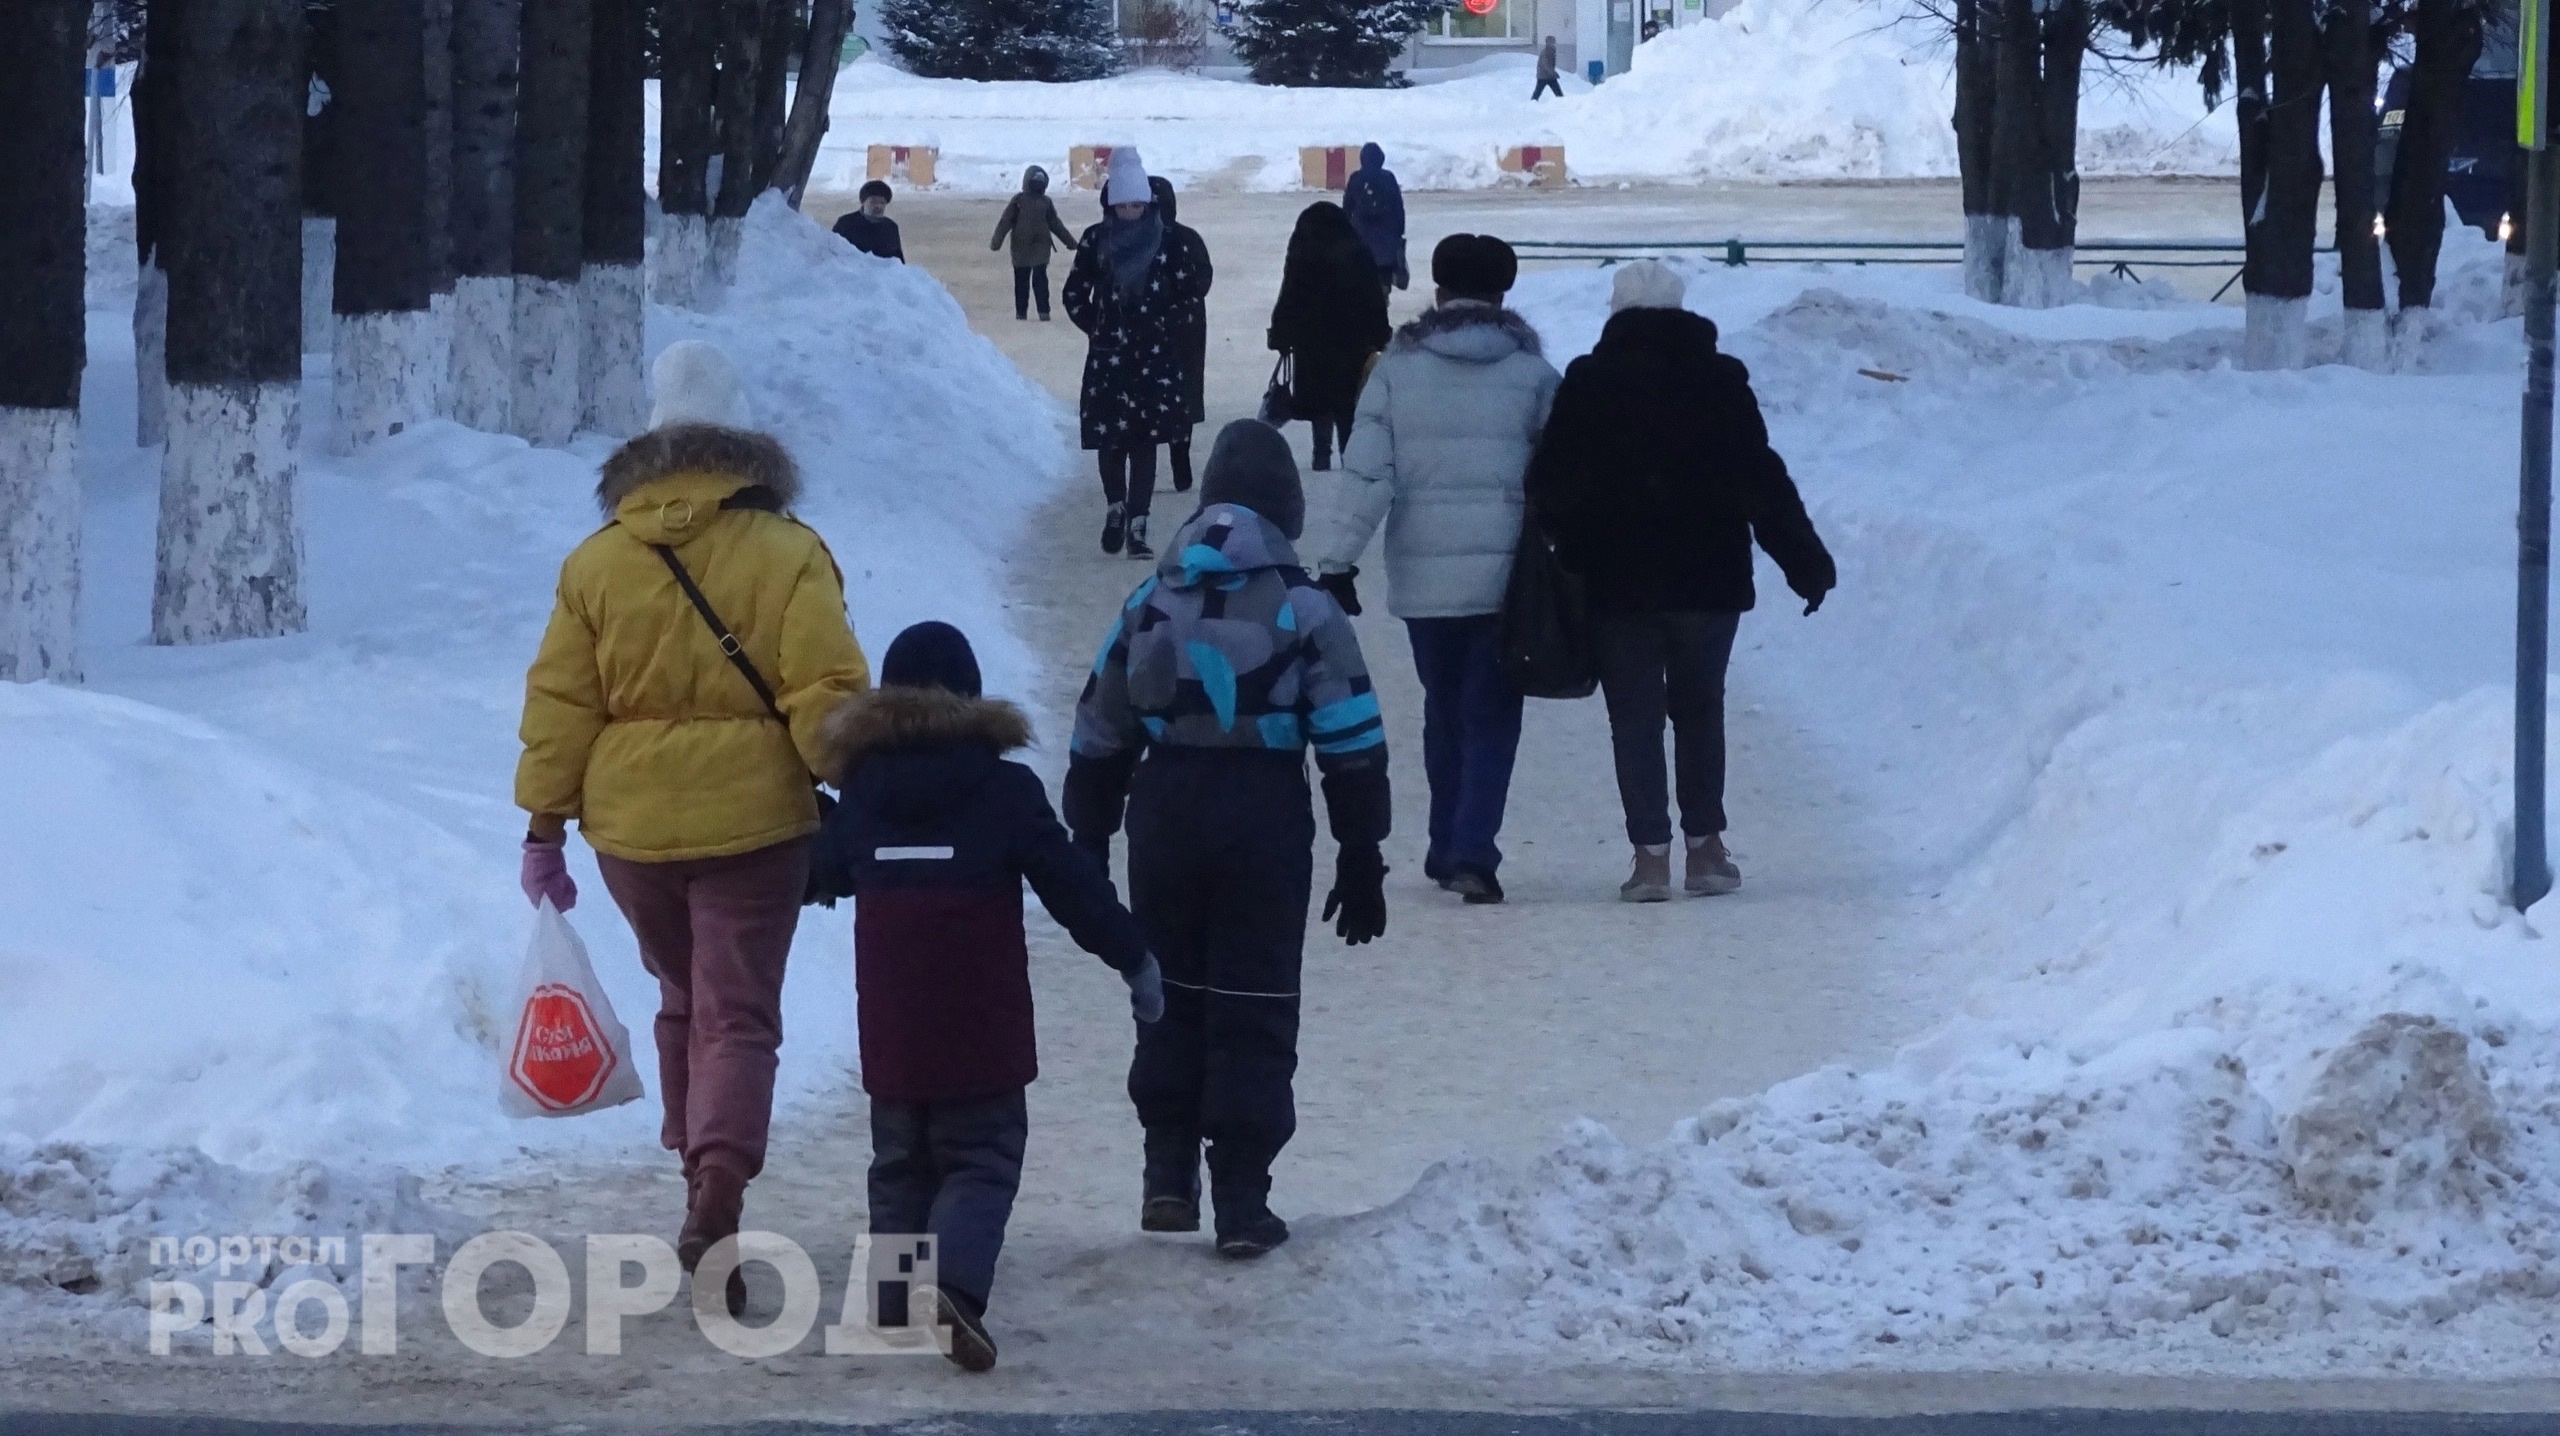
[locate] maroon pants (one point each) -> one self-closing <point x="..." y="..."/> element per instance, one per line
<point x="716" y="932"/>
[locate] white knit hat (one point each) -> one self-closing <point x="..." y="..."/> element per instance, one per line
<point x="1647" y="284"/>
<point x="1128" y="180"/>
<point x="694" y="383"/>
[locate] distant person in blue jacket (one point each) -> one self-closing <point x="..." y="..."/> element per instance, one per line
<point x="1375" y="203"/>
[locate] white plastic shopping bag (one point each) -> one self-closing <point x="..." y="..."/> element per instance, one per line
<point x="569" y="1053"/>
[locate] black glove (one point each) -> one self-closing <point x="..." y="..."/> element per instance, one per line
<point x="1813" y="594"/>
<point x="1345" y="592"/>
<point x="1359" y="894"/>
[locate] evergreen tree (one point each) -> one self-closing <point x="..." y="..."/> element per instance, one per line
<point x="1329" y="42"/>
<point x="1004" y="39"/>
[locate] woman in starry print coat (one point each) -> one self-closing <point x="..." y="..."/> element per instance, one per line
<point x="1127" y="291"/>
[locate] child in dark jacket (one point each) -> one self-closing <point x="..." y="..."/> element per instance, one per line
<point x="933" y="838"/>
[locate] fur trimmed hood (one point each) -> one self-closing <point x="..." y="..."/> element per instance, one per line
<point x="901" y="717"/>
<point x="1469" y="331"/>
<point x="754" y="459"/>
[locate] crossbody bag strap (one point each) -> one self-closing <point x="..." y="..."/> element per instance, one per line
<point x="729" y="645"/>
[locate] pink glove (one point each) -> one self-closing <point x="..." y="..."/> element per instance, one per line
<point x="546" y="875"/>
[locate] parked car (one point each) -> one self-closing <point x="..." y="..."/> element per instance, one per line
<point x="2485" y="167"/>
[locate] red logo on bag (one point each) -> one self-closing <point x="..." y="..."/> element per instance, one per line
<point x="561" y="1059"/>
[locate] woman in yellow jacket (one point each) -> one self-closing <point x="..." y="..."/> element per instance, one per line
<point x="694" y="791"/>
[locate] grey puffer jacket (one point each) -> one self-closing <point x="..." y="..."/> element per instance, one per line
<point x="1439" y="453"/>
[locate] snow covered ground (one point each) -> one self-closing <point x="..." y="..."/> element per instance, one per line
<point x="2169" y="697"/>
<point x="1775" y="90"/>
<point x="261" y="895"/>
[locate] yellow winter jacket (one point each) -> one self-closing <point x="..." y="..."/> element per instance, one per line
<point x="635" y="723"/>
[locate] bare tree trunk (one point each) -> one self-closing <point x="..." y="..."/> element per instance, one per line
<point x="438" y="46"/>
<point x="2037" y="273"/>
<point x="2288" y="220"/>
<point x="480" y="379"/>
<point x="783" y="28"/>
<point x="2448" y="45"/>
<point x="2017" y="141"/>
<point x="688" y="39"/>
<point x="829" y="20"/>
<point x="741" y="49"/>
<point x="1986" y="231"/>
<point x="385" y="359"/>
<point x="320" y="176"/>
<point x="230" y="551"/>
<point x="2347" y="37"/>
<point x="550" y="228"/>
<point x="43" y="335"/>
<point x="151" y="182"/>
<point x="613" y="290"/>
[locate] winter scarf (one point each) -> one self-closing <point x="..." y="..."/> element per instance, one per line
<point x="1130" y="245"/>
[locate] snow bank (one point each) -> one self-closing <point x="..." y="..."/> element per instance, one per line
<point x="1775" y="90"/>
<point x="262" y="895"/>
<point x="2175" y="694"/>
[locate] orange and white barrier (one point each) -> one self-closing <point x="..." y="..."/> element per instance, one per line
<point x="1327" y="166"/>
<point x="1540" y="165"/>
<point x="1089" y="165"/>
<point x="907" y="164"/>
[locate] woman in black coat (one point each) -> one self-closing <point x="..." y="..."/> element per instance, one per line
<point x="1127" y="292"/>
<point x="1191" y="330"/>
<point x="1655" y="476"/>
<point x="1331" y="317"/>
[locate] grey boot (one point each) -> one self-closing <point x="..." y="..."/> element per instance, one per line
<point x="1711" y="870"/>
<point x="1651" y="880"/>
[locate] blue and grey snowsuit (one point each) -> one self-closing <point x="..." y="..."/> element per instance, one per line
<point x="1220" y="673"/>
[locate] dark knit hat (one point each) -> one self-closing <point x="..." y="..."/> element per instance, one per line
<point x="1478" y="266"/>
<point x="1251" y="467"/>
<point x="931" y="655"/>
<point x="874" y="187"/>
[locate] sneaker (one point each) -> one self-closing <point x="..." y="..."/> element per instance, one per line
<point x="1138" y="538"/>
<point x="1711" y="870"/>
<point x="1476" y="885"/>
<point x="1250" y="1236"/>
<point x="1165" y="1212"/>
<point x="971" y="1348"/>
<point x="1114" y="520"/>
<point x="1651" y="880"/>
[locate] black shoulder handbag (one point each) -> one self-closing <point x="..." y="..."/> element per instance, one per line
<point x="736" y="653"/>
<point x="1545" y="631"/>
<point x="1277" y="407"/>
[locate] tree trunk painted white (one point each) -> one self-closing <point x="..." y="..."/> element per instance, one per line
<point x="2035" y="278"/>
<point x="230" y="544"/>
<point x="2275" y="336"/>
<point x="727" y="237"/>
<point x="39" y="545"/>
<point x="481" y="384"/>
<point x="2511" y="296"/>
<point x="2368" y="340"/>
<point x="613" y="300"/>
<point x="151" y="355"/>
<point x="1987" y="238"/>
<point x="677" y="260"/>
<point x="386" y="367"/>
<point x="2413" y="332"/>
<point x="549" y="338"/>
<point x="319" y="280"/>
<point x="440" y="352"/>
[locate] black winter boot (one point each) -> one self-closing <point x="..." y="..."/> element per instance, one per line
<point x="1242" y="1236"/>
<point x="971" y="1348"/>
<point x="1171" y="1200"/>
<point x="1115" y="521"/>
<point x="1138" y="538"/>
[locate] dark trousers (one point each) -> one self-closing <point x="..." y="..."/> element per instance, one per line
<point x="1221" y="863"/>
<point x="1326" y="427"/>
<point x="950" y="1168"/>
<point x="1028" y="280"/>
<point x="1470" y="734"/>
<point x="1179" y="454"/>
<point x="1547" y="84"/>
<point x="716" y="933"/>
<point x="1667" y="665"/>
<point x="1129" y="477"/>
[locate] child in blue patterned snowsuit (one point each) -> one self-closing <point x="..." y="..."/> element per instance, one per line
<point x="1222" y="671"/>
